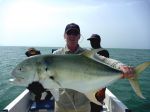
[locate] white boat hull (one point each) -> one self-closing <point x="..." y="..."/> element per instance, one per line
<point x="22" y="103"/>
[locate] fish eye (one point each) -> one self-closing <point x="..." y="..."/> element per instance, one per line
<point x="51" y="77"/>
<point x="20" y="69"/>
<point x="46" y="68"/>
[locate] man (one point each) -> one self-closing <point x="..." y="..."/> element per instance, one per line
<point x="71" y="100"/>
<point x="77" y="101"/>
<point x="95" y="41"/>
<point x="32" y="51"/>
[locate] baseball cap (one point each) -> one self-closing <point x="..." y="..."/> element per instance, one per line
<point x="94" y="36"/>
<point x="72" y="28"/>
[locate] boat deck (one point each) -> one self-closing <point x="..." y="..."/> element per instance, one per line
<point x="105" y="109"/>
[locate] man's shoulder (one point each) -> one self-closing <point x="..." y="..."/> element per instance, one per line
<point x="80" y="49"/>
<point x="59" y="51"/>
<point x="104" y="52"/>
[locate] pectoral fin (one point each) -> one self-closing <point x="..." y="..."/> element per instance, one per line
<point x="55" y="93"/>
<point x="53" y="87"/>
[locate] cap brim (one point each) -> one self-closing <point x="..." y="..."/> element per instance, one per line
<point x="91" y="38"/>
<point x="72" y="29"/>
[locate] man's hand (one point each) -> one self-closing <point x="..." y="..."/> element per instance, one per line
<point x="128" y="72"/>
<point x="100" y="95"/>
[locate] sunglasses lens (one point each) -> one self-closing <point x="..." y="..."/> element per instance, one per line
<point x="73" y="32"/>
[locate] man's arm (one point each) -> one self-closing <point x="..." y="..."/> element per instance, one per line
<point x="128" y="72"/>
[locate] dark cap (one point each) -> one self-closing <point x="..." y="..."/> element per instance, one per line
<point x="94" y="36"/>
<point x="72" y="26"/>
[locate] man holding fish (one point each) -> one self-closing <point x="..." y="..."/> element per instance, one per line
<point x="79" y="100"/>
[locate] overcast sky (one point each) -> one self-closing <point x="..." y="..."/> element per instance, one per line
<point x="120" y="23"/>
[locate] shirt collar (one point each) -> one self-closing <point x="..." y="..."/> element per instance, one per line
<point x="67" y="50"/>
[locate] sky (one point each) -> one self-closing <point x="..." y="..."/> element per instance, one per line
<point x="120" y="23"/>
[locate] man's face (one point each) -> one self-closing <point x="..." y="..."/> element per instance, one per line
<point x="32" y="52"/>
<point x="95" y="43"/>
<point x="72" y="37"/>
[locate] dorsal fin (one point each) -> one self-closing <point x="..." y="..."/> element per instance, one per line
<point x="91" y="53"/>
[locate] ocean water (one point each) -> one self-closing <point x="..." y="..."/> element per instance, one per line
<point x="10" y="56"/>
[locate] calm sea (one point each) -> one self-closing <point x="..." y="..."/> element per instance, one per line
<point x="10" y="56"/>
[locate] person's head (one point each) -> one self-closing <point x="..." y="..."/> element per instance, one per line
<point x="95" y="41"/>
<point x="32" y="52"/>
<point x="72" y="34"/>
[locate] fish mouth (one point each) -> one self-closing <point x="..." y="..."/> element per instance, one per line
<point x="17" y="79"/>
<point x="11" y="80"/>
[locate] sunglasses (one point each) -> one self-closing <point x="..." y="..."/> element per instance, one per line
<point x="73" y="32"/>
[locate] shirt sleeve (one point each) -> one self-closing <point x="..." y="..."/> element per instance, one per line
<point x="111" y="62"/>
<point x="59" y="51"/>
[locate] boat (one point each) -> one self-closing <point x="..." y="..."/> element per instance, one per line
<point x="23" y="103"/>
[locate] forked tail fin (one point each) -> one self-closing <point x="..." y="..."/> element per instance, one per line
<point x="134" y="81"/>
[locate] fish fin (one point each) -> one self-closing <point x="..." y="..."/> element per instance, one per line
<point x="53" y="87"/>
<point x="91" y="53"/>
<point x="134" y="81"/>
<point x="135" y="85"/>
<point x="91" y="96"/>
<point x="70" y="99"/>
<point x="141" y="67"/>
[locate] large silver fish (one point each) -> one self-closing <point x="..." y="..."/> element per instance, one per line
<point x="81" y="72"/>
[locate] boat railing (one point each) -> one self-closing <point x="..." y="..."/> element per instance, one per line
<point x="20" y="104"/>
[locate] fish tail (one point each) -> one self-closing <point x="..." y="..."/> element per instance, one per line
<point x="134" y="81"/>
<point x="141" y="67"/>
